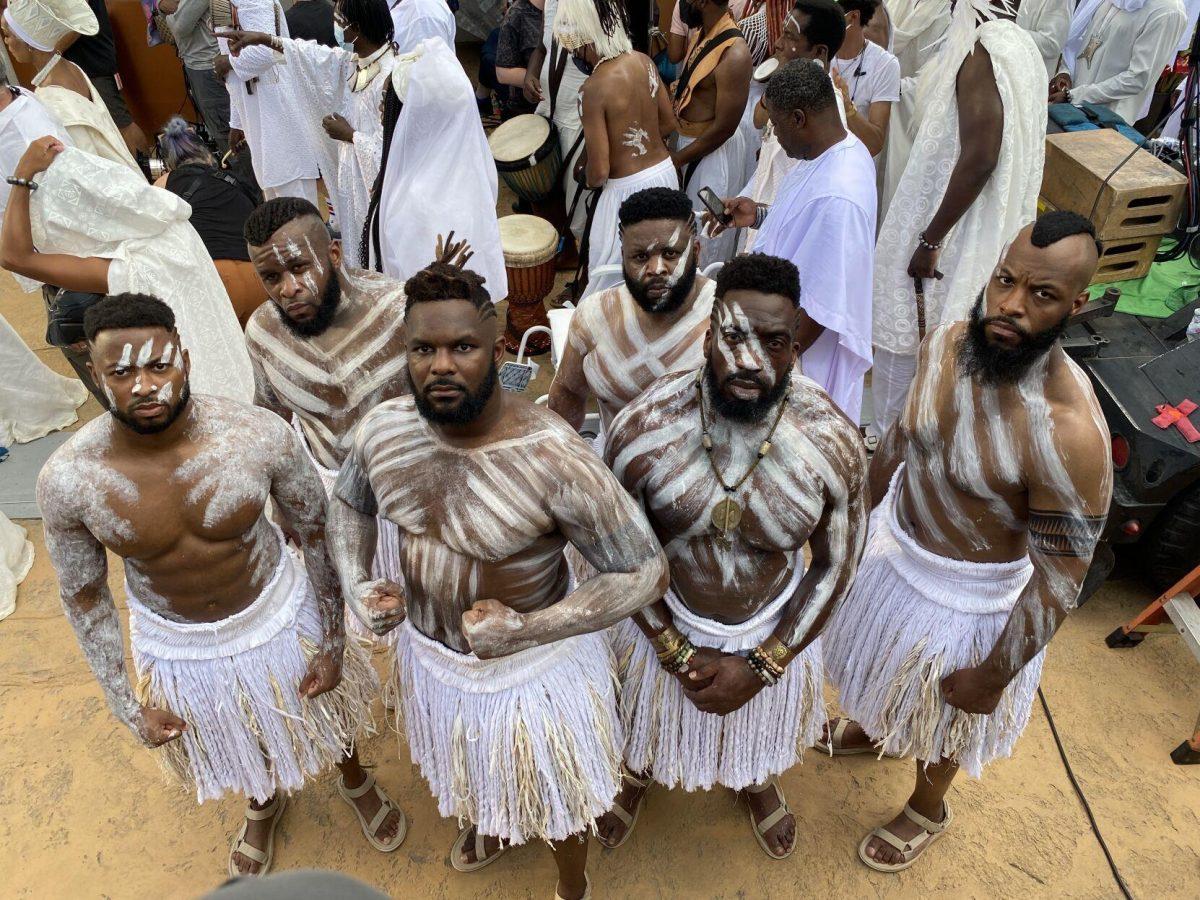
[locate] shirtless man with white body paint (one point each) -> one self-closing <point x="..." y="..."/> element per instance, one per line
<point x="487" y="489"/>
<point x="624" y="338"/>
<point x="177" y="487"/>
<point x="626" y="113"/>
<point x="992" y="491"/>
<point x="739" y="688"/>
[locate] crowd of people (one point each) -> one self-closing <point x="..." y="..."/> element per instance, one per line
<point x="306" y="452"/>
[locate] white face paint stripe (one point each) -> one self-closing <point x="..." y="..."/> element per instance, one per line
<point x="126" y="356"/>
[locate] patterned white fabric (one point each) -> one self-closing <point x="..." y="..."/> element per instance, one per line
<point x="88" y="206"/>
<point x="1007" y="202"/>
<point x="917" y="25"/>
<point x="88" y="122"/>
<point x="268" y="115"/>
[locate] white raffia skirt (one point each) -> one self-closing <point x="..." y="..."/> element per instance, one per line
<point x="235" y="682"/>
<point x="386" y="563"/>
<point x="680" y="745"/>
<point x="525" y="747"/>
<point x="910" y="619"/>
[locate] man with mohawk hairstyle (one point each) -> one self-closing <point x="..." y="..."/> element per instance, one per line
<point x="626" y="113"/>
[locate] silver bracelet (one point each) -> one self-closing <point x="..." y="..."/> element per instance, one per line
<point x="760" y="215"/>
<point x="22" y="182"/>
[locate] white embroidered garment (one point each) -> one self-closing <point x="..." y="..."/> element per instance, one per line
<point x="87" y="206"/>
<point x="264" y="109"/>
<point x="16" y="559"/>
<point x="440" y="175"/>
<point x="917" y="26"/>
<point x="88" y="122"/>
<point x="34" y="399"/>
<point x="1128" y="51"/>
<point x="1008" y="200"/>
<point x="324" y="79"/>
<point x="418" y="20"/>
<point x="824" y="221"/>
<point x="1047" y="22"/>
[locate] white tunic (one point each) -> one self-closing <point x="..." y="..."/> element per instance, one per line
<point x="92" y="207"/>
<point x="264" y="109"/>
<point x="1047" y="22"/>
<point x="1008" y="200"/>
<point x="418" y="20"/>
<point x="1131" y="50"/>
<point x="324" y="79"/>
<point x="88" y="122"/>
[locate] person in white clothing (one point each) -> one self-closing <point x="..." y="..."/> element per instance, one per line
<point x="867" y="76"/>
<point x="262" y="111"/>
<point x="1115" y="51"/>
<point x="32" y="30"/>
<point x="1047" y="22"/>
<point x="917" y="26"/>
<point x="418" y="20"/>
<point x="969" y="185"/>
<point x="823" y="221"/>
<point x="89" y="224"/>
<point x="342" y="92"/>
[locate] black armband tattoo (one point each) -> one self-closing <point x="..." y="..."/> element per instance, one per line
<point x="1057" y="533"/>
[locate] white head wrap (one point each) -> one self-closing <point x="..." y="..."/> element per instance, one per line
<point x="959" y="39"/>
<point x="43" y="23"/>
<point x="577" y="22"/>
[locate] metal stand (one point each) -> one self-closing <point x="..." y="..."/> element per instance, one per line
<point x="1174" y="611"/>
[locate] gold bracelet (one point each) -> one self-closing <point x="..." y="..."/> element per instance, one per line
<point x="776" y="651"/>
<point x="669" y="641"/>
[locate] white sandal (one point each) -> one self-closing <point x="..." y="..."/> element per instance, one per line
<point x="772" y="819"/>
<point x="911" y="848"/>
<point x="480" y="860"/>
<point x="264" y="858"/>
<point x="624" y="815"/>
<point x="833" y="746"/>
<point x="369" y="829"/>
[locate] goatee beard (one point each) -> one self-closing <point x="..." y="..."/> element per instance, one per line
<point x="689" y="15"/>
<point x="139" y="427"/>
<point x="319" y="323"/>
<point x="747" y="412"/>
<point x="672" y="300"/>
<point x="468" y="409"/>
<point x="996" y="364"/>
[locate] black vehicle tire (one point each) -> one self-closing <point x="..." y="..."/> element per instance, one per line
<point x="1171" y="548"/>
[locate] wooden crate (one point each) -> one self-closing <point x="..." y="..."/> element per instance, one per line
<point x="1144" y="198"/>
<point x="1125" y="258"/>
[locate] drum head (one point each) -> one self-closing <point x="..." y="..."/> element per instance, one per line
<point x="527" y="240"/>
<point x="519" y="138"/>
<point x="766" y="69"/>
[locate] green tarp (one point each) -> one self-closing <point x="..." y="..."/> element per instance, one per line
<point x="1168" y="286"/>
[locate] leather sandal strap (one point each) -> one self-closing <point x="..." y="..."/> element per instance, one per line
<point x="771" y="820"/>
<point x="267" y="812"/>
<point x="839" y="732"/>
<point x="355" y="793"/>
<point x="479" y="848"/>
<point x="621" y="813"/>
<point x="928" y="824"/>
<point x="251" y="853"/>
<point x="905" y="847"/>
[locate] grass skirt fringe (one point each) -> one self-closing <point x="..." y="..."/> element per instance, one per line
<point x="235" y="684"/>
<point x="910" y="619"/>
<point x="525" y="747"/>
<point x="679" y="744"/>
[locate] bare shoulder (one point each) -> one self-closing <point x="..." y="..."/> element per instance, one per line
<point x="1079" y="426"/>
<point x="61" y="475"/>
<point x="822" y="422"/>
<point x="650" y="416"/>
<point x="263" y="322"/>
<point x="382" y="289"/>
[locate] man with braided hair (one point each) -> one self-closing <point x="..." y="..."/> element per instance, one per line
<point x="497" y="652"/>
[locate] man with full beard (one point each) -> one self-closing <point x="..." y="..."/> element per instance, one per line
<point x="245" y="681"/>
<point x="991" y="493"/>
<point x="738" y="464"/>
<point x="508" y="696"/>
<point x="624" y="338"/>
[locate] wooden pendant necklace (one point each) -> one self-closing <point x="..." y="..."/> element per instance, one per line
<point x="726" y="515"/>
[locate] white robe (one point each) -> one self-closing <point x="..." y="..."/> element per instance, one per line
<point x="566" y="118"/>
<point x="917" y="25"/>
<point x="323" y="77"/>
<point x="16" y="559"/>
<point x="418" y="20"/>
<point x="824" y="221"/>
<point x="440" y="174"/>
<point x="88" y="122"/>
<point x="267" y="116"/>
<point x="1047" y="22"/>
<point x="89" y="206"/>
<point x="1133" y="49"/>
<point x="1007" y="202"/>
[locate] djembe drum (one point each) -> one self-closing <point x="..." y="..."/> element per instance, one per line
<point x="527" y="155"/>
<point x="530" y="245"/>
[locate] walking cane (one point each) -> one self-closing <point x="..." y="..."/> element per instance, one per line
<point x="919" y="283"/>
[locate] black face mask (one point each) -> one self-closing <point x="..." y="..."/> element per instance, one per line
<point x="690" y="15"/>
<point x="585" y="67"/>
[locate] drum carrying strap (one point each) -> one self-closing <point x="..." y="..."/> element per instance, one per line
<point x="558" y="66"/>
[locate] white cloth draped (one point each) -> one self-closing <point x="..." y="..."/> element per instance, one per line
<point x="419" y="20"/>
<point x="267" y="116"/>
<point x="1007" y="202"/>
<point x="34" y="400"/>
<point x="1047" y="22"/>
<point x="16" y="559"/>
<point x="87" y="206"/>
<point x="440" y="175"/>
<point x="88" y="122"/>
<point x="323" y="77"/>
<point x="916" y="26"/>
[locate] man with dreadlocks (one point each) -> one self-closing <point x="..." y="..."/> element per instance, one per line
<point x="341" y="92"/>
<point x="499" y="658"/>
<point x="626" y="114"/>
<point x="438" y="174"/>
<point x="980" y="125"/>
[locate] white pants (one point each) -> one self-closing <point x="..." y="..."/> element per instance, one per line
<point x="891" y="375"/>
<point x="304" y="188"/>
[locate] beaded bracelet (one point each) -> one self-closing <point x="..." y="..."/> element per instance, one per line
<point x="926" y="244"/>
<point x="763" y="668"/>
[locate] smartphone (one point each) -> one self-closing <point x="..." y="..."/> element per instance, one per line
<point x="714" y="205"/>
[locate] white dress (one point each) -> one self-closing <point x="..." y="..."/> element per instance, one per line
<point x="87" y="206"/>
<point x="1047" y="22"/>
<point x="324" y="78"/>
<point x="1008" y="200"/>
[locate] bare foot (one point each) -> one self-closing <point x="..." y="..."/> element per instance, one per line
<point x="368" y="805"/>
<point x="610" y="827"/>
<point x="491" y="844"/>
<point x="780" y="837"/>
<point x="906" y="830"/>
